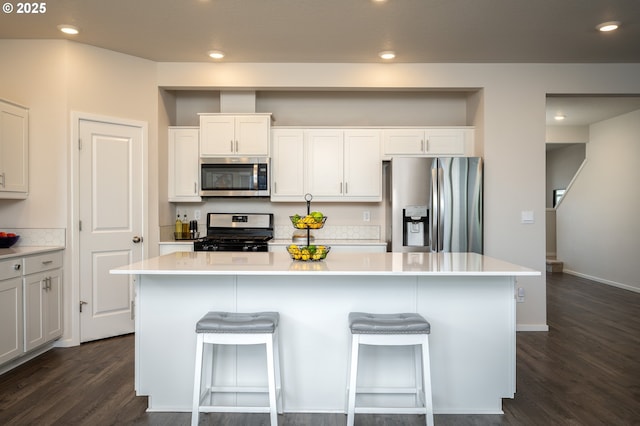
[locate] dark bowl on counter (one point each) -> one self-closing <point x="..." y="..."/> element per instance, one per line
<point x="6" y="242"/>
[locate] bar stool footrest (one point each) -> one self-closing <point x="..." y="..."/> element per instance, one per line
<point x="413" y="391"/>
<point x="387" y="410"/>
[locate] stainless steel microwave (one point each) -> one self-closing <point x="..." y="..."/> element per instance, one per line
<point x="234" y="177"/>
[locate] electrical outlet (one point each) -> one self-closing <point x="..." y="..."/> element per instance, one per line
<point x="520" y="295"/>
<point x="366" y="216"/>
<point x="196" y="214"/>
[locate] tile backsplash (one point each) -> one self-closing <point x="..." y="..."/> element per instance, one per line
<point x="285" y="232"/>
<point x="41" y="237"/>
<point x="333" y="232"/>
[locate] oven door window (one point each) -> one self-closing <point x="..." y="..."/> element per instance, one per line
<point x="225" y="177"/>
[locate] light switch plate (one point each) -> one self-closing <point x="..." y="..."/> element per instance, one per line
<point x="526" y="216"/>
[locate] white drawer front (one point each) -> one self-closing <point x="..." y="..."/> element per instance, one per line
<point x="10" y="268"/>
<point x="42" y="262"/>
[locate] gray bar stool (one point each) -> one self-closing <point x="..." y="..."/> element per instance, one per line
<point x="407" y="329"/>
<point x="228" y="328"/>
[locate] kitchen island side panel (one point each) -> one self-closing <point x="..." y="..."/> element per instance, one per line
<point x="473" y="330"/>
<point x="314" y="331"/>
<point x="473" y="341"/>
<point x="168" y="308"/>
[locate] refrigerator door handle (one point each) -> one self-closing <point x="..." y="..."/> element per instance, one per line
<point x="441" y="209"/>
<point x="433" y="219"/>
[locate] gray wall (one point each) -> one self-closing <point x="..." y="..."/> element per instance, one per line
<point x="598" y="231"/>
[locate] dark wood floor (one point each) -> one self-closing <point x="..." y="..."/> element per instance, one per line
<point x="584" y="371"/>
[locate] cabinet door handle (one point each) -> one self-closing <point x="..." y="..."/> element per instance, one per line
<point x="236" y="147"/>
<point x="422" y="145"/>
<point x="17" y="267"/>
<point x="346" y="188"/>
<point x="195" y="188"/>
<point x="230" y="146"/>
<point x="2" y="178"/>
<point x="46" y="262"/>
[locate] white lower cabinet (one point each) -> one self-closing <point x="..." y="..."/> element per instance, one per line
<point x="11" y="319"/>
<point x="167" y="248"/>
<point x="42" y="286"/>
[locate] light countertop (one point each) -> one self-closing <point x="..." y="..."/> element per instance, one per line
<point x="276" y="263"/>
<point x="287" y="241"/>
<point x="19" y="251"/>
<point x="329" y="242"/>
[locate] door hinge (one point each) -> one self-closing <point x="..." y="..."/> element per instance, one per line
<point x="82" y="303"/>
<point x="133" y="308"/>
<point x="79" y="225"/>
<point x="79" y="144"/>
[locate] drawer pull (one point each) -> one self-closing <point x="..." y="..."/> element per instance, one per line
<point x="17" y="267"/>
<point x="46" y="262"/>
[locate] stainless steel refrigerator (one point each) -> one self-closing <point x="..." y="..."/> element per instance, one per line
<point x="435" y="204"/>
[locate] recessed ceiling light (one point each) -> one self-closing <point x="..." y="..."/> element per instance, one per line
<point x="216" y="54"/>
<point x="387" y="54"/>
<point x="68" y="29"/>
<point x="608" y="26"/>
<point x="559" y="117"/>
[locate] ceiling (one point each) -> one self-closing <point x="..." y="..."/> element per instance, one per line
<point x="354" y="31"/>
<point x="586" y="110"/>
<point x="343" y="31"/>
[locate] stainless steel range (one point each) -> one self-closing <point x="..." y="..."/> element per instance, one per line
<point x="236" y="232"/>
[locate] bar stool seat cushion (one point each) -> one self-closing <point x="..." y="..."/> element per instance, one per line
<point x="231" y="322"/>
<point x="403" y="323"/>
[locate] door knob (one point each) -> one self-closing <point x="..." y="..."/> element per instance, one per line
<point x="137" y="239"/>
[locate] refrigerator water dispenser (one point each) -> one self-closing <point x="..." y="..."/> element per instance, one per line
<point x="415" y="226"/>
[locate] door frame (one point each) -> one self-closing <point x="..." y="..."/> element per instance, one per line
<point x="72" y="264"/>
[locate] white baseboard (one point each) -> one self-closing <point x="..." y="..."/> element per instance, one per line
<point x="603" y="281"/>
<point x="532" y="327"/>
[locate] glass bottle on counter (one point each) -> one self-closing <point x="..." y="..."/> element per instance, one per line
<point x="178" y="231"/>
<point x="185" y="227"/>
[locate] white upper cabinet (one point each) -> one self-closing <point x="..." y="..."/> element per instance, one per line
<point x="287" y="165"/>
<point x="239" y="135"/>
<point x="428" y="142"/>
<point x="362" y="164"/>
<point x="14" y="151"/>
<point x="184" y="165"/>
<point x="325" y="163"/>
<point x="344" y="165"/>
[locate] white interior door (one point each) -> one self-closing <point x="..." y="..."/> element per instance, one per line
<point x="110" y="212"/>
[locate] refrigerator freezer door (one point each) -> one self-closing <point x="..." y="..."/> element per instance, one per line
<point x="410" y="178"/>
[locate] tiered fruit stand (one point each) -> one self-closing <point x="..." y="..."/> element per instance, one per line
<point x="308" y="222"/>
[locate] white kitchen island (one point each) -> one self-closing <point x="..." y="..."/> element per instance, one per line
<point x="467" y="298"/>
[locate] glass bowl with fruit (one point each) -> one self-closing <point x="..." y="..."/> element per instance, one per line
<point x="308" y="253"/>
<point x="7" y="239"/>
<point x="314" y="220"/>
